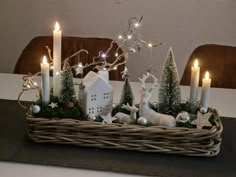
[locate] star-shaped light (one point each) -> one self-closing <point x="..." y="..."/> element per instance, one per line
<point x="202" y="120"/>
<point x="108" y="119"/>
<point x="53" y="105"/>
<point x="79" y="69"/>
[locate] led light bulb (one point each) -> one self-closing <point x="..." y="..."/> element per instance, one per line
<point x="120" y="37"/>
<point x="104" y="55"/>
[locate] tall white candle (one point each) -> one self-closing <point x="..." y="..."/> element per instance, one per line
<point x="45" y="80"/>
<point x="56" y="60"/>
<point x="195" y="71"/>
<point x="206" y="84"/>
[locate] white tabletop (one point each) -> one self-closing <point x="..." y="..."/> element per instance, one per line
<point x="10" y="86"/>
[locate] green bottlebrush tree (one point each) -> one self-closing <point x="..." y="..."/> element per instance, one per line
<point x="68" y="96"/>
<point x="126" y="96"/>
<point x="169" y="97"/>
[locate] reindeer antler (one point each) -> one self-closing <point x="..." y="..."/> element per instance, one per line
<point x="143" y="80"/>
<point x="130" y="108"/>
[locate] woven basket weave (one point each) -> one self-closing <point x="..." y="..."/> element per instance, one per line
<point x="184" y="141"/>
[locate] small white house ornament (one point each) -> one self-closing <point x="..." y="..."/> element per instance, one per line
<point x="104" y="74"/>
<point x="98" y="95"/>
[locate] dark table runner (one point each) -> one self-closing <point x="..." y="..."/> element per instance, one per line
<point x="15" y="147"/>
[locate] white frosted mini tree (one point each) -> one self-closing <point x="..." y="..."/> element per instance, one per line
<point x="169" y="97"/>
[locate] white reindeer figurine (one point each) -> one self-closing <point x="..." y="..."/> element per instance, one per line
<point x="125" y="118"/>
<point x="145" y="112"/>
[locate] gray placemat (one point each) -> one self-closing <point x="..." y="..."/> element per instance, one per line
<point x="14" y="146"/>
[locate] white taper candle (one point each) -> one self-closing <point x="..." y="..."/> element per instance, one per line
<point x="45" y="80"/>
<point x="205" y="97"/>
<point x="195" y="71"/>
<point x="56" y="60"/>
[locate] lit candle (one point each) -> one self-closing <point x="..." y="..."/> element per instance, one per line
<point x="56" y="60"/>
<point x="194" y="82"/>
<point x="45" y="80"/>
<point x="206" y="84"/>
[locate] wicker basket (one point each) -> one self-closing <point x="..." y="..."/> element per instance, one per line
<point x="184" y="141"/>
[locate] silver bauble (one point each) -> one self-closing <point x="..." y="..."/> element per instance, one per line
<point x="183" y="117"/>
<point x="142" y="121"/>
<point x="35" y="109"/>
<point x="113" y="105"/>
<point x="203" y="110"/>
<point x="91" y="117"/>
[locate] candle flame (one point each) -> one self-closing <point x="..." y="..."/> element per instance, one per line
<point x="196" y="63"/>
<point x="45" y="61"/>
<point x="207" y="76"/>
<point x="57" y="27"/>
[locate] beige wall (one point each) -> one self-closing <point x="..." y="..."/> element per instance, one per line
<point x="183" y="24"/>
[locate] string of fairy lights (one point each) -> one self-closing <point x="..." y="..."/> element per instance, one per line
<point x="130" y="41"/>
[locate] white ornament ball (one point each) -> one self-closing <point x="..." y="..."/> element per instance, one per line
<point x="113" y="105"/>
<point x="142" y="121"/>
<point x="203" y="110"/>
<point x="183" y="117"/>
<point x="91" y="117"/>
<point x="35" y="109"/>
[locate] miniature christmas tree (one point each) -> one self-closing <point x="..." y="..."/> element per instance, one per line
<point x="68" y="96"/>
<point x="169" y="97"/>
<point x="126" y="95"/>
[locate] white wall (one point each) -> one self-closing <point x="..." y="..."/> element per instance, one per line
<point x="183" y="24"/>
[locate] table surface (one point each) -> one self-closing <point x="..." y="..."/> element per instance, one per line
<point x="11" y="85"/>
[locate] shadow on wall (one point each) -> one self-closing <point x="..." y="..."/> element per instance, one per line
<point x="219" y="60"/>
